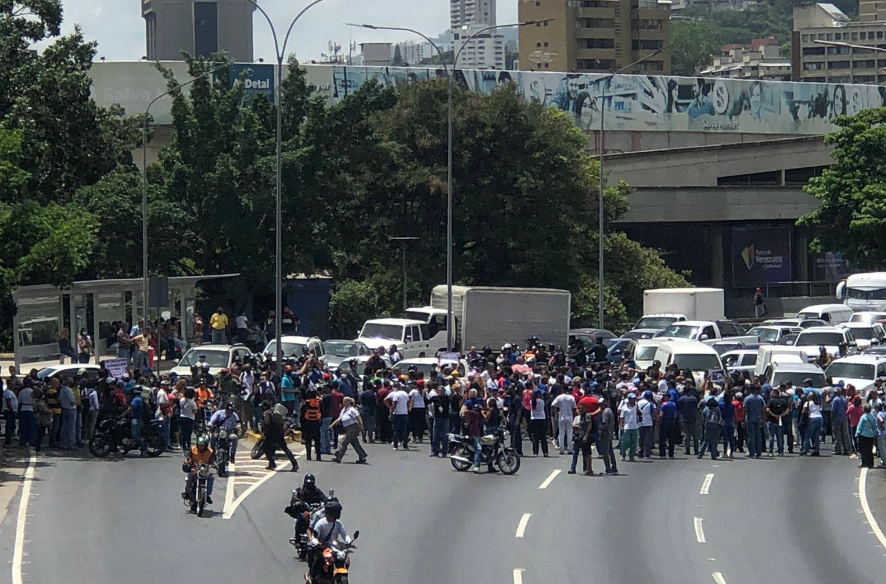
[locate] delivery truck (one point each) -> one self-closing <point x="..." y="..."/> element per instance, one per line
<point x="488" y="316"/>
<point x="685" y="303"/>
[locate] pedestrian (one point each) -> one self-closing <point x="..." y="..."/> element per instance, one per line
<point x="738" y="420"/>
<point x="136" y="411"/>
<point x="84" y="347"/>
<point x="399" y="403"/>
<point x="777" y="408"/>
<point x="242" y="327"/>
<point x="272" y="425"/>
<point x="27" y="432"/>
<point x="50" y="394"/>
<point x="43" y="419"/>
<point x="352" y="423"/>
<point x="812" y="413"/>
<point x="713" y="421"/>
<point x="606" y="425"/>
<point x="582" y="432"/>
<point x="759" y="304"/>
<point x="669" y="430"/>
<point x="65" y="347"/>
<point x="218" y="322"/>
<point x="10" y="409"/>
<point x="418" y="413"/>
<point x="840" y="423"/>
<point x="438" y="401"/>
<point x="854" y="412"/>
<point x="727" y="411"/>
<point x="311" y="414"/>
<point x="89" y="399"/>
<point x="629" y="424"/>
<point x="515" y="417"/>
<point x="326" y="407"/>
<point x="538" y="422"/>
<point x="383" y="413"/>
<point x="648" y="411"/>
<point x="368" y="409"/>
<point x="688" y="406"/>
<point x="881" y="432"/>
<point x="564" y="408"/>
<point x="754" y="404"/>
<point x="867" y="434"/>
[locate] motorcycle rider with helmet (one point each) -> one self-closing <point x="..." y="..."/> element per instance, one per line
<point x="227" y="419"/>
<point x="324" y="532"/>
<point x="200" y="453"/>
<point x="309" y="492"/>
<point x="303" y="499"/>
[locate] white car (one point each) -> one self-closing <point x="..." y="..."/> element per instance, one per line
<point x="869" y="316"/>
<point x="644" y="354"/>
<point x="341" y="351"/>
<point x="859" y="370"/>
<point x="866" y="334"/>
<point x="410" y="336"/>
<point x="218" y="357"/>
<point x="829" y="337"/>
<point x="772" y="333"/>
<point x="71" y="370"/>
<point x="295" y="346"/>
<point x="739" y="360"/>
<point x="796" y="373"/>
<point x="428" y="366"/>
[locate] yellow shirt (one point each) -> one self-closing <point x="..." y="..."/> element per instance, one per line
<point x="218" y="321"/>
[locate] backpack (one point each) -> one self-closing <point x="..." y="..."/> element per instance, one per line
<point x="312" y="409"/>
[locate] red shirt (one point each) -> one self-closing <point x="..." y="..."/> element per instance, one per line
<point x="337" y="402"/>
<point x="527" y="399"/>
<point x="739" y="411"/>
<point x="591" y="403"/>
<point x="854" y="413"/>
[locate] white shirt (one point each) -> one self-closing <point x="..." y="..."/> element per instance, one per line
<point x="814" y="410"/>
<point x="348" y="416"/>
<point x="538" y="408"/>
<point x="629" y="415"/>
<point x="162" y="399"/>
<point x="647" y="407"/>
<point x="242" y="322"/>
<point x="566" y="403"/>
<point x="8" y="394"/>
<point x="25" y="397"/>
<point x="418" y="399"/>
<point x="188" y="408"/>
<point x="247" y="380"/>
<point x="400" y="399"/>
<point x="92" y="398"/>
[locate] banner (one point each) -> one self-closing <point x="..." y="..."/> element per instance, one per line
<point x="257" y="80"/>
<point x="760" y="255"/>
<point x="118" y="368"/>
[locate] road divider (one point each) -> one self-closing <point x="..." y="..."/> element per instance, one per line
<point x="706" y="485"/>
<point x="521" y="527"/>
<point x="699" y="532"/>
<point x="862" y="496"/>
<point x="549" y="480"/>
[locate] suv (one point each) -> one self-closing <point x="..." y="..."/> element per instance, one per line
<point x="829" y="337"/>
<point x="859" y="370"/>
<point x="218" y="357"/>
<point x="294" y="346"/>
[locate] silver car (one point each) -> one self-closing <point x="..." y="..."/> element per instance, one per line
<point x="340" y="351"/>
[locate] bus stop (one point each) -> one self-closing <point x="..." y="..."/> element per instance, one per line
<point x="42" y="311"/>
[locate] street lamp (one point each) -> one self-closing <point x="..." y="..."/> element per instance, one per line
<point x="403" y="241"/>
<point x="145" y="182"/>
<point x="280" y="52"/>
<point x="602" y="98"/>
<point x="449" y="320"/>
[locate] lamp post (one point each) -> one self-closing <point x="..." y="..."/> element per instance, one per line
<point x="145" y="181"/>
<point x="449" y="321"/>
<point x="403" y="242"/>
<point x="280" y="53"/>
<point x="600" y="211"/>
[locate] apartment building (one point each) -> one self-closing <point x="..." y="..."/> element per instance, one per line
<point x="595" y="35"/>
<point x="471" y="12"/>
<point x="758" y="60"/>
<point x="198" y="29"/>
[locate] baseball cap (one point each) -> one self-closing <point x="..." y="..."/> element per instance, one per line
<point x="632" y="396"/>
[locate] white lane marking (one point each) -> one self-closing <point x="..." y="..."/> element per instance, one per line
<point x="550" y="479"/>
<point x="706" y="485"/>
<point x="862" y="484"/>
<point x="229" y="510"/>
<point x="718" y="578"/>
<point x="19" y="550"/>
<point x="521" y="528"/>
<point x="699" y="532"/>
<point x="518" y="575"/>
<point x="229" y="492"/>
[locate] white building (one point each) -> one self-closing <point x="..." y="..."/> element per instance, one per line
<point x="376" y="54"/>
<point x="469" y="12"/>
<point x="759" y="60"/>
<point x="485" y="51"/>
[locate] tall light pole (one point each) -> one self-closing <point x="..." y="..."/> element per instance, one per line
<point x="403" y="242"/>
<point x="145" y="182"/>
<point x="600" y="210"/>
<point x="450" y="323"/>
<point x="280" y="53"/>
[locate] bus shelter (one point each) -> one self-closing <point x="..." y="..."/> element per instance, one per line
<point x="42" y="311"/>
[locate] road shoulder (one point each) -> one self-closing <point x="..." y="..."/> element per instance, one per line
<point x="13" y="464"/>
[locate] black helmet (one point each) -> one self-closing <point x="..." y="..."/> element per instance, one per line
<point x="332" y="508"/>
<point x="309" y="481"/>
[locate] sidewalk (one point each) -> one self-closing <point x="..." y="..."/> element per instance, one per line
<point x="13" y="463"/>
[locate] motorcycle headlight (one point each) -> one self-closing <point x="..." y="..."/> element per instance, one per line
<point x="223" y="434"/>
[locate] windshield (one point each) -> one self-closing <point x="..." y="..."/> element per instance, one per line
<point x="417" y="315"/>
<point x="646" y="353"/>
<point x="697" y="362"/>
<point x="765" y="334"/>
<point x="867" y="316"/>
<point x="655" y="322"/>
<point x="732" y="360"/>
<point x="851" y="370"/>
<point x="214" y="359"/>
<point x="342" y="348"/>
<point x="681" y="331"/>
<point x="863" y="333"/>
<point x="857" y="294"/>
<point x="288" y="349"/>
<point x="374" y="330"/>
<point x="819" y="339"/>
<point x="797" y="378"/>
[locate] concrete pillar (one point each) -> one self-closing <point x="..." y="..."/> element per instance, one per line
<point x="800" y="251"/>
<point x="715" y="247"/>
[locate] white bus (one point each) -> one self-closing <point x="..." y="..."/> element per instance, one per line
<point x="864" y="291"/>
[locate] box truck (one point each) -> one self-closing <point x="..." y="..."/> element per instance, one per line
<point x="688" y="303"/>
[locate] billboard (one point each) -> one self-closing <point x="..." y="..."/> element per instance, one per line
<point x="760" y="255"/>
<point x="258" y="79"/>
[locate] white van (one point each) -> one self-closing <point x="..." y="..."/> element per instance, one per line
<point x="784" y="353"/>
<point x="830" y="313"/>
<point x="644" y="354"/>
<point x="693" y="355"/>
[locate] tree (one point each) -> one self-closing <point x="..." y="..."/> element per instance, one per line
<point x="398" y="57"/>
<point x="852" y="214"/>
<point x="693" y="45"/>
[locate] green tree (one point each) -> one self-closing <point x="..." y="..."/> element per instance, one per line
<point x="693" y="45"/>
<point x="852" y="214"/>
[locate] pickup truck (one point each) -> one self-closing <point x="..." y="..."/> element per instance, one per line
<point x="707" y="331"/>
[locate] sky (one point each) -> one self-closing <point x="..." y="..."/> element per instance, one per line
<point x="118" y="27"/>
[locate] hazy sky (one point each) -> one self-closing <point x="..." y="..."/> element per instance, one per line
<point x="118" y="27"/>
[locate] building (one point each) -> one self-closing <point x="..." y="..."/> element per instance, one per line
<point x="484" y="51"/>
<point x="470" y="12"/>
<point x="813" y="61"/>
<point x="594" y="35"/>
<point x="871" y="10"/>
<point x="199" y="29"/>
<point x="414" y="52"/>
<point x="759" y="60"/>
<point x="376" y="54"/>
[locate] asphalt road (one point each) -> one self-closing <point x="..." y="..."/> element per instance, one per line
<point x="785" y="520"/>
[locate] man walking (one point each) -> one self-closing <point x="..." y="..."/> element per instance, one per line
<point x="399" y="403"/>
<point x="688" y="406"/>
<point x="310" y="422"/>
<point x="10" y="407"/>
<point x="669" y="432"/>
<point x="351" y="421"/>
<point x="776" y="409"/>
<point x="439" y="408"/>
<point x="647" y="423"/>
<point x="629" y="422"/>
<point x="582" y="429"/>
<point x="604" y="439"/>
<point x="564" y="407"/>
<point x="272" y="425"/>
<point x="840" y="423"/>
<point x="753" y="412"/>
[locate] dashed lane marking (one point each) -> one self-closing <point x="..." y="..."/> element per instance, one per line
<point x="550" y="479"/>
<point x="518" y="575"/>
<point x="521" y="528"/>
<point x="862" y="495"/>
<point x="706" y="485"/>
<point x="699" y="532"/>
<point x="718" y="578"/>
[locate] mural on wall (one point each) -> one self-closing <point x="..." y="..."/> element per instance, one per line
<point x="655" y="102"/>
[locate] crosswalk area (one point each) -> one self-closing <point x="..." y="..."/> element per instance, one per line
<point x="248" y="475"/>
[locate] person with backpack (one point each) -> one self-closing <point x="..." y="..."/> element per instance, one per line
<point x="272" y="426"/>
<point x="310" y="422"/>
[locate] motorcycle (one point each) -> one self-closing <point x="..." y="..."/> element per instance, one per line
<point x="222" y="446"/>
<point x="115" y="435"/>
<point x="196" y="497"/>
<point x="336" y="563"/>
<point x="494" y="448"/>
<point x="304" y="516"/>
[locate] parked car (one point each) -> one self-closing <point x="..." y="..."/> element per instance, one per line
<point x="797" y="373"/>
<point x="644" y="354"/>
<point x="218" y="357"/>
<point x="621" y="349"/>
<point x="410" y="336"/>
<point x="829" y="337"/>
<point x="772" y="333"/>
<point x="803" y="323"/>
<point x="428" y="366"/>
<point x="338" y="351"/>
<point x="859" y="370"/>
<point x="740" y="360"/>
<point x="295" y="346"/>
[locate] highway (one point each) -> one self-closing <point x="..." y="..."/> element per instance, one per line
<point x="787" y="520"/>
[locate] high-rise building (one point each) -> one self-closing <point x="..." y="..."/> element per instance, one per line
<point x="198" y="29"/>
<point x="484" y="51"/>
<point x="470" y="12"/>
<point x="594" y="35"/>
<point x="871" y="10"/>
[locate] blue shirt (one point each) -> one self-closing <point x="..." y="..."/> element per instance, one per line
<point x="222" y="420"/>
<point x="138" y="408"/>
<point x="727" y="409"/>
<point x="867" y="426"/>
<point x="367" y="401"/>
<point x="669" y="411"/>
<point x="287" y="389"/>
<point x="688" y="404"/>
<point x="753" y="408"/>
<point x="838" y="407"/>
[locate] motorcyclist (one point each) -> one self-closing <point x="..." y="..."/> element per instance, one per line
<point x="226" y="419"/>
<point x="324" y="532"/>
<point x="309" y="492"/>
<point x="303" y="499"/>
<point x="201" y="453"/>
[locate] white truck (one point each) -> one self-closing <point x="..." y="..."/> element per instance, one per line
<point x="491" y="316"/>
<point x="682" y="304"/>
<point x="707" y="331"/>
